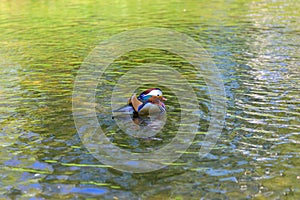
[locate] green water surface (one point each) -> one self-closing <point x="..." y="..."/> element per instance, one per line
<point x="255" y="45"/>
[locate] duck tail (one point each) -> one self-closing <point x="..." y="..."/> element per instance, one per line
<point x="125" y="109"/>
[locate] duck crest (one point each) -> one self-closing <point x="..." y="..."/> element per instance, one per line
<point x="146" y="92"/>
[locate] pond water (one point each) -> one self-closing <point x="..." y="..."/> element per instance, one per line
<point x="254" y="44"/>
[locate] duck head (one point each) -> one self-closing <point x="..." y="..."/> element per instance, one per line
<point x="151" y="95"/>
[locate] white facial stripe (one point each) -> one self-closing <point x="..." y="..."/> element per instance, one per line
<point x="155" y="93"/>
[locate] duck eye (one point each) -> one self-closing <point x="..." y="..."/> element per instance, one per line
<point x="158" y="95"/>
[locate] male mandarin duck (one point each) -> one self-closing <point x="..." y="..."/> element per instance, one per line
<point x="150" y="100"/>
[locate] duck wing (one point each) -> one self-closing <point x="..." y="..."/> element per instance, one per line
<point x="132" y="106"/>
<point x="135" y="102"/>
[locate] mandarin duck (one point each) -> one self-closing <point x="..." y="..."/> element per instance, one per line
<point x="149" y="101"/>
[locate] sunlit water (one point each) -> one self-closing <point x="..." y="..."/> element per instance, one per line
<point x="255" y="45"/>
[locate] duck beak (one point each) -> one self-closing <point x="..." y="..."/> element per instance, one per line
<point x="163" y="99"/>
